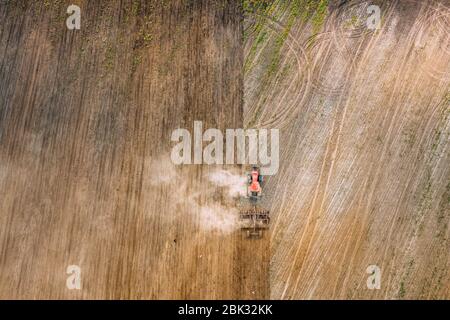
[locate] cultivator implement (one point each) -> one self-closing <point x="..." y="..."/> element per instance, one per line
<point x="254" y="221"/>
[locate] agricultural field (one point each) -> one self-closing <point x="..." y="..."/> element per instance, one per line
<point x="87" y="174"/>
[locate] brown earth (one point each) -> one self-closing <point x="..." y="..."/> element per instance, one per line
<point x="86" y="120"/>
<point x="85" y="124"/>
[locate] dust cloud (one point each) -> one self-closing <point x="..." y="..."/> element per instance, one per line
<point x="234" y="182"/>
<point x="211" y="205"/>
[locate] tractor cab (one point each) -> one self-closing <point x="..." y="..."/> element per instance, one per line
<point x="255" y="179"/>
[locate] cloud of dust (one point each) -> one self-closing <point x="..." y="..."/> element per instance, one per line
<point x="235" y="183"/>
<point x="211" y="213"/>
<point x="218" y="217"/>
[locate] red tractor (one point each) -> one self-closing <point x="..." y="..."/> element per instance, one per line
<point x="254" y="218"/>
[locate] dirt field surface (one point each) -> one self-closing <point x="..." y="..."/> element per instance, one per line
<point x="365" y="174"/>
<point x="86" y="177"/>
